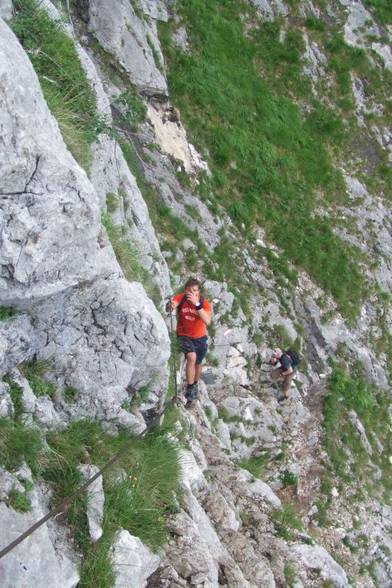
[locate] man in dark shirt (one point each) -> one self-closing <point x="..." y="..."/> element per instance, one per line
<point x="284" y="373"/>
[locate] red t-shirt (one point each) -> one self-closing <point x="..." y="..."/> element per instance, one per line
<point x="189" y="323"/>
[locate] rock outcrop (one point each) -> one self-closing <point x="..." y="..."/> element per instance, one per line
<point x="248" y="459"/>
<point x="57" y="262"/>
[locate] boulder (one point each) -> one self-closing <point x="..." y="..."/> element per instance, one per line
<point x="133" y="562"/>
<point x="36" y="561"/>
<point x="132" y="39"/>
<point x="96" y="500"/>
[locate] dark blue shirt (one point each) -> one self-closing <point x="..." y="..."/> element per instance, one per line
<point x="285" y="362"/>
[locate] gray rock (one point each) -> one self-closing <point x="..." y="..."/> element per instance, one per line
<point x="155" y="9"/>
<point x="223" y="432"/>
<point x="9" y="482"/>
<point x="45" y="413"/>
<point x="110" y="174"/>
<point x="192" y="475"/>
<point x="259" y="490"/>
<point x="132" y="40"/>
<point x="316" y="62"/>
<point x="251" y="422"/>
<point x="315" y="558"/>
<point x="352" y="415"/>
<point x="106" y="338"/>
<point x="96" y="501"/>
<point x="102" y="332"/>
<point x="180" y="38"/>
<point x="17" y="340"/>
<point x="133" y="562"/>
<point x="6" y="405"/>
<point x="28" y="397"/>
<point x="6" y="9"/>
<point x="35" y="562"/>
<point x="54" y="222"/>
<point x="359" y="24"/>
<point x="223" y="515"/>
<point x="270" y="9"/>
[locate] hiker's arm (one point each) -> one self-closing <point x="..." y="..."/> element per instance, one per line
<point x="288" y="371"/>
<point x="205" y="316"/>
<point x="172" y="304"/>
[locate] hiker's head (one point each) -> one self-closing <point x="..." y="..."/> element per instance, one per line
<point x="193" y="286"/>
<point x="277" y="354"/>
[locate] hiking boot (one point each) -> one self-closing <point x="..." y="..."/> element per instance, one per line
<point x="282" y="398"/>
<point x="191" y="391"/>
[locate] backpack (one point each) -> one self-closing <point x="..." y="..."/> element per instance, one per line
<point x="294" y="356"/>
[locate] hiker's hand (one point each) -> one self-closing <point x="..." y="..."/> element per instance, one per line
<point x="194" y="298"/>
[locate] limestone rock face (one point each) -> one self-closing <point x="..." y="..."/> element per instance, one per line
<point x="317" y="558"/>
<point x="17" y="339"/>
<point x="133" y="562"/>
<point x="50" y="218"/>
<point x="57" y="262"/>
<point x="96" y="500"/>
<point x="132" y="39"/>
<point x="35" y="562"/>
<point x="6" y="9"/>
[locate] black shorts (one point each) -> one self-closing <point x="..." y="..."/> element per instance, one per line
<point x="198" y="346"/>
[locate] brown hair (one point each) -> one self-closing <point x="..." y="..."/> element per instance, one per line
<point x="192" y="282"/>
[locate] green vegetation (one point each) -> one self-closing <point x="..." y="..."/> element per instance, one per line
<point x="6" y="312"/>
<point x="254" y="465"/>
<point x="132" y="110"/>
<point x="128" y="257"/>
<point x="349" y="460"/>
<point x="19" y="501"/>
<point x="286" y="522"/>
<point x="212" y="360"/>
<point x="289" y="574"/>
<point x="138" y="502"/>
<point x="288" y="479"/>
<point x="315" y="24"/>
<point x="138" y="398"/>
<point x="111" y="202"/>
<point x="227" y="416"/>
<point x="34" y="372"/>
<point x="70" y="394"/>
<point x="270" y="162"/>
<point x="382" y="10"/>
<point x="17" y="444"/>
<point x="16" y="394"/>
<point x="161" y="215"/>
<point x="281" y="59"/>
<point x="62" y="78"/>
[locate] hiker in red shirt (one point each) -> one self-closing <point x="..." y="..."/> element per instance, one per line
<point x="193" y="316"/>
